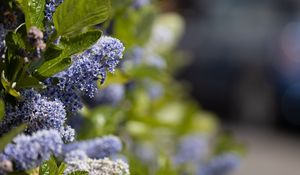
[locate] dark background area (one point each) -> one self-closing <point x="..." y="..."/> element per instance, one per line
<point x="245" y="59"/>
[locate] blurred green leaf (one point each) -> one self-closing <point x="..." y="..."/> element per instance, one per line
<point x="73" y="15"/>
<point x="2" y="109"/>
<point x="61" y="168"/>
<point x="7" y="138"/>
<point x="117" y="77"/>
<point x="134" y="27"/>
<point x="49" y="167"/>
<point x="79" y="173"/>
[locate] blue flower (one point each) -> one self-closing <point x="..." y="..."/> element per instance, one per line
<point x="50" y="8"/>
<point x="220" y="165"/>
<point x="96" y="148"/>
<point x="192" y="149"/>
<point x="27" y="152"/>
<point x="39" y="113"/>
<point x="3" y="33"/>
<point x="82" y="76"/>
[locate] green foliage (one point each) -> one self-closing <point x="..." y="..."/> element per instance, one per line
<point x="50" y="168"/>
<point x="34" y="12"/>
<point x="7" y="138"/>
<point x="73" y="15"/>
<point x="68" y="46"/>
<point x="2" y="109"/>
<point x="227" y="143"/>
<point x="102" y="121"/>
<point x="8" y="86"/>
<point x="79" y="173"/>
<point x="134" y="28"/>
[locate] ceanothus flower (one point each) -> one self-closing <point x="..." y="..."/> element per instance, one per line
<point x="39" y="113"/>
<point x="50" y="8"/>
<point x="98" y="167"/>
<point x="220" y="165"/>
<point x="191" y="149"/>
<point x="81" y="77"/>
<point x="140" y="3"/>
<point x="69" y="97"/>
<point x="27" y="152"/>
<point x="96" y="148"/>
<point x="3" y="33"/>
<point x="108" y="51"/>
<point x="75" y="155"/>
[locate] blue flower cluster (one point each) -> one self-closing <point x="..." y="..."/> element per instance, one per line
<point x="98" y="148"/>
<point x="221" y="165"/>
<point x="3" y="32"/>
<point x="38" y="113"/>
<point x="192" y="149"/>
<point x="88" y="67"/>
<point x="27" y="152"/>
<point x="50" y="8"/>
<point x="140" y="3"/>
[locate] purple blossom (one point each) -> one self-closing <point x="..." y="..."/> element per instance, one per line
<point x="96" y="148"/>
<point x="39" y="113"/>
<point x="220" y="165"/>
<point x="27" y="152"/>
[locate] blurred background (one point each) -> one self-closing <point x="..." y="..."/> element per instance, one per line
<point x="245" y="66"/>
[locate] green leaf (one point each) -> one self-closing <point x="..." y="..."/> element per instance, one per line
<point x="44" y="169"/>
<point x="52" y="52"/>
<point x="79" y="43"/>
<point x="69" y="46"/>
<point x="15" y="41"/>
<point x="73" y="15"/>
<point x="34" y="12"/>
<point x="116" y="78"/>
<point x="27" y="81"/>
<point x="8" y="86"/>
<point x="7" y="138"/>
<point x="79" y="173"/>
<point x="49" y="167"/>
<point x="61" y="169"/>
<point x="2" y="106"/>
<point x="52" y="67"/>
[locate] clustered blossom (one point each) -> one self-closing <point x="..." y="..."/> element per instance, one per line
<point x="3" y="33"/>
<point x="38" y="113"/>
<point x="35" y="37"/>
<point x="69" y="97"/>
<point x="98" y="167"/>
<point x="140" y="3"/>
<point x="27" y="152"/>
<point x="88" y="67"/>
<point x="96" y="148"/>
<point x="220" y="165"/>
<point x="192" y="148"/>
<point x="50" y="8"/>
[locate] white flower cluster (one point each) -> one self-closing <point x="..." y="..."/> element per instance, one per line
<point x="98" y="167"/>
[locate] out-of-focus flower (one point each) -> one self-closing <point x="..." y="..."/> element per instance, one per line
<point x="27" y="152"/>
